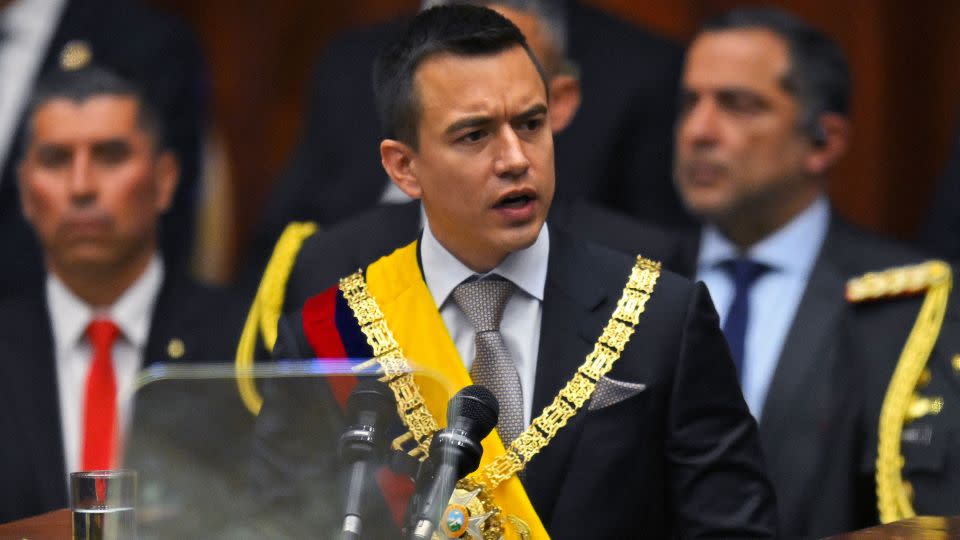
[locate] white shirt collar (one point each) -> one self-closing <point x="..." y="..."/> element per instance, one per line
<point x="131" y="312"/>
<point x="442" y="271"/>
<point x="793" y="248"/>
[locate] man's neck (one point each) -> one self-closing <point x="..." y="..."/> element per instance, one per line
<point x="99" y="286"/>
<point x="746" y="229"/>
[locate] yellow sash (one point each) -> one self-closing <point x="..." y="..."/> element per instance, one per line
<point x="397" y="285"/>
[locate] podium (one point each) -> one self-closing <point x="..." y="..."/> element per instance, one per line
<point x="56" y="526"/>
<point x="210" y="468"/>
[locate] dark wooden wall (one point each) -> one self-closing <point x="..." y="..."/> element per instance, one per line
<point x="904" y="57"/>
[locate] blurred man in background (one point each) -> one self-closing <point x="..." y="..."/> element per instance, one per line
<point x="765" y="102"/>
<point x="160" y="53"/>
<point x="93" y="182"/>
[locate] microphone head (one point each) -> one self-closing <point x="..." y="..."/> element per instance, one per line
<point x="478" y="406"/>
<point x="370" y="395"/>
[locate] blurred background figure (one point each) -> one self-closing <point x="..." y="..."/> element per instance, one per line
<point x="156" y="51"/>
<point x="614" y="152"/>
<point x="765" y="104"/>
<point x="93" y="181"/>
<point x="941" y="229"/>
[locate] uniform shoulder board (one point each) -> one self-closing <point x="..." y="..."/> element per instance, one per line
<point x="896" y="282"/>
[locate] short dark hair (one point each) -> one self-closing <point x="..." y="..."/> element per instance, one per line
<point x="551" y="16"/>
<point x="79" y="85"/>
<point x="457" y="29"/>
<point x="818" y="76"/>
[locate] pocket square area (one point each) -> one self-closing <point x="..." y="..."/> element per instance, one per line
<point x="611" y="391"/>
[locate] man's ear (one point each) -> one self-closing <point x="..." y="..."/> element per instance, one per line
<point x="398" y="160"/>
<point x="564" y="101"/>
<point x="833" y="137"/>
<point x="168" y="176"/>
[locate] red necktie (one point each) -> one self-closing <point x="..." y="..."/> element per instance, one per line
<point x="100" y="401"/>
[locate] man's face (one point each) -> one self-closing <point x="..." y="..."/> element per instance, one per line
<point x="92" y="184"/>
<point x="484" y="167"/>
<point x="739" y="148"/>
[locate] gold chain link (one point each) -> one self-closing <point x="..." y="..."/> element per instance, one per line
<point x="397" y="374"/>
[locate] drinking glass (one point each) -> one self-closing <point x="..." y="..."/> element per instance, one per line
<point x="104" y="505"/>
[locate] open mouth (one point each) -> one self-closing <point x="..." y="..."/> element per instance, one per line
<point x="517" y="201"/>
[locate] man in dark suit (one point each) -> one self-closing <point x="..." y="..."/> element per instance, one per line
<point x="148" y="47"/>
<point x="93" y="182"/>
<point x="615" y="152"/>
<point x="665" y="444"/>
<point x="764" y="116"/>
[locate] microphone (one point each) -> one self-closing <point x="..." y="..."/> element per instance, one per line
<point x="454" y="453"/>
<point x="362" y="447"/>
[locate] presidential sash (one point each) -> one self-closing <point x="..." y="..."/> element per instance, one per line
<point x="393" y="306"/>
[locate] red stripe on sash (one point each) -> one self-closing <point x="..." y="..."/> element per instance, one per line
<point x="319" y="325"/>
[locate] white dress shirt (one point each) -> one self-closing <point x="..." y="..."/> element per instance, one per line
<point x="27" y="27"/>
<point x="520" y="326"/>
<point x="70" y="317"/>
<point x="774" y="297"/>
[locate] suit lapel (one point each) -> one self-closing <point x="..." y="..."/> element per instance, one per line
<point x="806" y="350"/>
<point x="570" y="324"/>
<point x="31" y="381"/>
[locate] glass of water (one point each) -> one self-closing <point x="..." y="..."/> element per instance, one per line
<point x="104" y="505"/>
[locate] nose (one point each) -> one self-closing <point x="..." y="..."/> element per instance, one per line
<point x="511" y="162"/>
<point x="698" y="125"/>
<point x="81" y="183"/>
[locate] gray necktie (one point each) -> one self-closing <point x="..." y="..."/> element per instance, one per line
<point x="483" y="302"/>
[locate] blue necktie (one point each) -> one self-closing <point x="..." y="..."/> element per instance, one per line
<point x="744" y="273"/>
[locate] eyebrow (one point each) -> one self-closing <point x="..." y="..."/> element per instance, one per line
<point x="481" y="120"/>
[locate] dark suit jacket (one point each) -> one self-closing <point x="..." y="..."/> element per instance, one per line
<point x="370" y="235"/>
<point x="679" y="458"/>
<point x="805" y="426"/>
<point x="29" y="402"/>
<point x="163" y="57"/>
<point x="940" y="232"/>
<point x="616" y="152"/>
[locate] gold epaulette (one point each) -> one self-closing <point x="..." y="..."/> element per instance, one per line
<point x="901" y="403"/>
<point x="895" y="282"/>
<point x="265" y="310"/>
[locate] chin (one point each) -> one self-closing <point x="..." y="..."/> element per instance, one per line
<point x="523" y="237"/>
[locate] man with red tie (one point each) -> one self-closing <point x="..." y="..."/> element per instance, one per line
<point x="94" y="181"/>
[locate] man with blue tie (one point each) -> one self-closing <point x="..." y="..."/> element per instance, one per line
<point x="764" y="115"/>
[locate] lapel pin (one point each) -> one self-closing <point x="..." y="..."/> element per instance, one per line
<point x="956" y="363"/>
<point x="176" y="348"/>
<point x="75" y="55"/>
